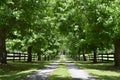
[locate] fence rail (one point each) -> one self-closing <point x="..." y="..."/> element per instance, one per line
<point x="19" y="56"/>
<point x="16" y="56"/>
<point x="103" y="57"/>
<point x="24" y="57"/>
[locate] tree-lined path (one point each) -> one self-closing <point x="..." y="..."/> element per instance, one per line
<point x="75" y="72"/>
<point x="32" y="32"/>
<point x="42" y="74"/>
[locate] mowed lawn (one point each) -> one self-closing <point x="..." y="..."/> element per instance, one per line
<point x="19" y="70"/>
<point x="101" y="71"/>
<point x="60" y="73"/>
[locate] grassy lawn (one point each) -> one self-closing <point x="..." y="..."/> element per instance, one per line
<point x="60" y="73"/>
<point x="19" y="70"/>
<point x="102" y="71"/>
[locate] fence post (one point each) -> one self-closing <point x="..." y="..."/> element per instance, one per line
<point x="98" y="59"/>
<point x="19" y="56"/>
<point x="107" y="57"/>
<point x="13" y="56"/>
<point x="89" y="57"/>
<point x="102" y="56"/>
<point x="24" y="56"/>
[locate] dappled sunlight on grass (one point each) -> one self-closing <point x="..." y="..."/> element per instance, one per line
<point x="103" y="71"/>
<point x="16" y="75"/>
<point x="4" y="76"/>
<point x="57" y="77"/>
<point x="27" y="71"/>
<point x="19" y="70"/>
<point x="60" y="73"/>
<point x="16" y="71"/>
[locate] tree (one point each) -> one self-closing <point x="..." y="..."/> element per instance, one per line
<point x="19" y="16"/>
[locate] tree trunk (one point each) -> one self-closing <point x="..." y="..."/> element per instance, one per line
<point x="79" y="54"/>
<point x="39" y="56"/>
<point x="117" y="52"/>
<point x="3" y="53"/>
<point x="75" y="58"/>
<point x="45" y="57"/>
<point x="30" y="54"/>
<point x="48" y="57"/>
<point x="78" y="57"/>
<point x="84" y="57"/>
<point x="95" y="57"/>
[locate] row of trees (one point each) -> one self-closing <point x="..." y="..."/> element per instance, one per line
<point x="27" y="25"/>
<point x="83" y="26"/>
<point x="92" y="26"/>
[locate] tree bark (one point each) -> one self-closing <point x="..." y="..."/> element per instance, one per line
<point x="79" y="54"/>
<point x="39" y="56"/>
<point x="95" y="57"/>
<point x="3" y="52"/>
<point x="45" y="57"/>
<point x="48" y="57"/>
<point x="117" y="52"/>
<point x="30" y="54"/>
<point x="84" y="57"/>
<point x="78" y="57"/>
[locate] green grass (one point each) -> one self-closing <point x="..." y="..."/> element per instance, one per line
<point x="60" y="73"/>
<point x="102" y="71"/>
<point x="19" y="70"/>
